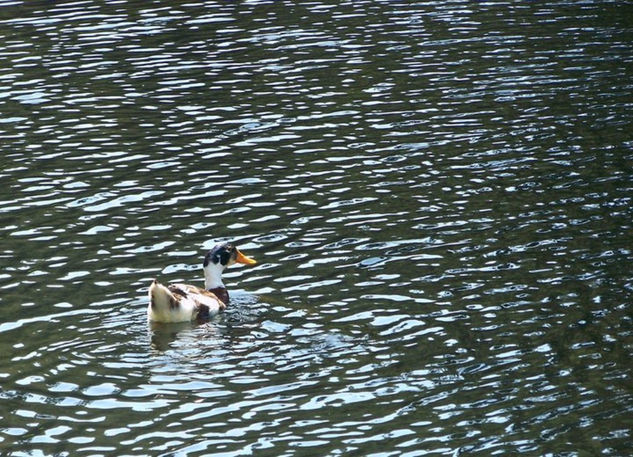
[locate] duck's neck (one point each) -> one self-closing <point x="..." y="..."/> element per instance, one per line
<point x="213" y="276"/>
<point x="221" y="293"/>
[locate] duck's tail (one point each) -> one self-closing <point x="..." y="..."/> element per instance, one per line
<point x="160" y="298"/>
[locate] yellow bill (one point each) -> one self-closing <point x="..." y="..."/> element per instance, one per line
<point x="241" y="258"/>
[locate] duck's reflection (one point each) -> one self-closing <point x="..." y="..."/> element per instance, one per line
<point x="222" y="328"/>
<point x="163" y="336"/>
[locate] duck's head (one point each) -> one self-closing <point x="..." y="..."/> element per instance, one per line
<point x="226" y="255"/>
<point x="217" y="259"/>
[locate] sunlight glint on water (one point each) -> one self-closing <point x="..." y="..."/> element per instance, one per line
<point x="438" y="196"/>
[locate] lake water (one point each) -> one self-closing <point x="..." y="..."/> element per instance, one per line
<point x="438" y="194"/>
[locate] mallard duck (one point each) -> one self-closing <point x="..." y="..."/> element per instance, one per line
<point x="183" y="302"/>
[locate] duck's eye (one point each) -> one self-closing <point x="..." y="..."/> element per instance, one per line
<point x="225" y="257"/>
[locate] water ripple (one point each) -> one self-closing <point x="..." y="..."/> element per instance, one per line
<point x="438" y="197"/>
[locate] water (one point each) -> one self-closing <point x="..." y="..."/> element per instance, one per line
<point x="438" y="195"/>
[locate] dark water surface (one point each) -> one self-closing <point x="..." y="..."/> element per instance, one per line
<point x="438" y="193"/>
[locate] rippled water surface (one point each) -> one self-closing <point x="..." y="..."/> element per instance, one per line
<point x="438" y="194"/>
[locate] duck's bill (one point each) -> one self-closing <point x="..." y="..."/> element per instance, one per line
<point x="241" y="258"/>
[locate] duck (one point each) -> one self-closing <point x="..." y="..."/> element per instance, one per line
<point x="184" y="302"/>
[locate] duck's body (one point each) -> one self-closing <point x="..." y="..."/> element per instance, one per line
<point x="181" y="302"/>
<point x="184" y="302"/>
